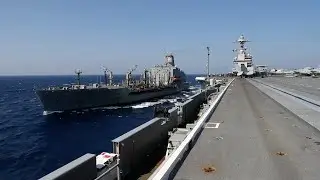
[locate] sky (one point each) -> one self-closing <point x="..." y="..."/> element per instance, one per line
<point x="55" y="37"/>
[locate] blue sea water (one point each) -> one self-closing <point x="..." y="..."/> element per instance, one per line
<point x="33" y="145"/>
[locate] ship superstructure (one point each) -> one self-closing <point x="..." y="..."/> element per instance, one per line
<point x="243" y="65"/>
<point x="167" y="73"/>
<point x="155" y="82"/>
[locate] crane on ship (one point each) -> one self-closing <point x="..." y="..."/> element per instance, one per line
<point x="106" y="71"/>
<point x="129" y="73"/>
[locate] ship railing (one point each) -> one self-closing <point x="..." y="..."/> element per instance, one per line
<point x="56" y="88"/>
<point x="79" y="87"/>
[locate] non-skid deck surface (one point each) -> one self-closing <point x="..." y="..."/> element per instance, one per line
<point x="257" y="139"/>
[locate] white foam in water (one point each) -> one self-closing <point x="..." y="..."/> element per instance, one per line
<point x="149" y="104"/>
<point x="172" y="100"/>
<point x="45" y="113"/>
<point x="161" y="101"/>
<point x="145" y="104"/>
<point x="111" y="107"/>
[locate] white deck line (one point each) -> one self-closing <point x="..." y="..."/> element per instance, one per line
<point x="167" y="166"/>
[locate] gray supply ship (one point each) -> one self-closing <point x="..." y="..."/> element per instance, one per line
<point x="156" y="82"/>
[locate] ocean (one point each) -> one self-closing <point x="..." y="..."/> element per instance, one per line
<point x="33" y="145"/>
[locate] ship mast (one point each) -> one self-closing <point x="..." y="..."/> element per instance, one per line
<point x="78" y="72"/>
<point x="208" y="49"/>
<point x="241" y="42"/>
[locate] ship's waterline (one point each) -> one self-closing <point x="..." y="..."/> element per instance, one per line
<point x="68" y="101"/>
<point x="156" y="82"/>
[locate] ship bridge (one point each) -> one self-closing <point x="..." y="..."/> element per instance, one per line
<point x="167" y="73"/>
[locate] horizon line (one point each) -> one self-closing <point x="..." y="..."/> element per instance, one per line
<point x="7" y="75"/>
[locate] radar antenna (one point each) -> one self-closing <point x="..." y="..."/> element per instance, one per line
<point x="78" y="72"/>
<point x="241" y="40"/>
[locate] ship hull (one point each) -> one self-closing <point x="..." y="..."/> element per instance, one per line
<point x="68" y="100"/>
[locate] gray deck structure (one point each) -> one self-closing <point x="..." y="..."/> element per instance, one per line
<point x="257" y="139"/>
<point x="306" y="86"/>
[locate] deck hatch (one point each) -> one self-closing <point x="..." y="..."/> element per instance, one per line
<point x="211" y="125"/>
